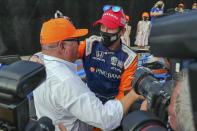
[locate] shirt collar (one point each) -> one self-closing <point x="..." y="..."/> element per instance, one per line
<point x="72" y="66"/>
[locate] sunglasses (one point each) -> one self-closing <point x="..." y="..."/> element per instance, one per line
<point x="59" y="14"/>
<point x="73" y="39"/>
<point x="114" y="8"/>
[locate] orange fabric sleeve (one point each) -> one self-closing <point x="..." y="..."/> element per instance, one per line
<point x="81" y="48"/>
<point x="126" y="79"/>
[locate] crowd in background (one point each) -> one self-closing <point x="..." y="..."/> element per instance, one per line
<point x="144" y="25"/>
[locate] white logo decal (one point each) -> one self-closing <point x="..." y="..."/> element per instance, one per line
<point x="107" y="74"/>
<point x="111" y="15"/>
<point x="114" y="60"/>
<point x="116" y="69"/>
<point x="99" y="56"/>
<point x="120" y="64"/>
<point x="113" y="38"/>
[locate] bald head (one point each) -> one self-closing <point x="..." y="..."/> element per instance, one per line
<point x="66" y="50"/>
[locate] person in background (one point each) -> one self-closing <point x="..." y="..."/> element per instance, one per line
<point x="143" y="31"/>
<point x="194" y="6"/>
<point x="126" y="37"/>
<point x="63" y="96"/>
<point x="108" y="63"/>
<point x="157" y="9"/>
<point x="180" y="8"/>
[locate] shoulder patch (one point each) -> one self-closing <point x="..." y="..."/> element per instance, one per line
<point x="89" y="43"/>
<point x="131" y="56"/>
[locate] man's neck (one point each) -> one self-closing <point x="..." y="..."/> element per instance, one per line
<point x="52" y="53"/>
<point x="115" y="46"/>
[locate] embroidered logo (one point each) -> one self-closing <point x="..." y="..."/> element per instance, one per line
<point x="99" y="56"/>
<point x="120" y="64"/>
<point x="114" y="60"/>
<point x="92" y="69"/>
<point x="109" y="14"/>
<point x="107" y="74"/>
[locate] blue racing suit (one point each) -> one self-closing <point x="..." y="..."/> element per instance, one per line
<point x="108" y="73"/>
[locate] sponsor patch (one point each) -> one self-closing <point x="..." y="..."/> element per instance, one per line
<point x="107" y="74"/>
<point x="99" y="56"/>
<point x="114" y="60"/>
<point x="120" y="64"/>
<point x="92" y="69"/>
<point x="116" y="69"/>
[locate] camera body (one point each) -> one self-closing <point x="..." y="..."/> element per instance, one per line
<point x="17" y="80"/>
<point x="143" y="121"/>
<point x="156" y="94"/>
<point x="178" y="40"/>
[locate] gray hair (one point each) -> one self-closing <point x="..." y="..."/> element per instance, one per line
<point x="49" y="46"/>
<point x="183" y="108"/>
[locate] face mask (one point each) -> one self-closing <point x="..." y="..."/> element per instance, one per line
<point x="159" y="6"/>
<point x="145" y="18"/>
<point x="108" y="39"/>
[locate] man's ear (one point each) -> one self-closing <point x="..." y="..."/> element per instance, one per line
<point x="60" y="47"/>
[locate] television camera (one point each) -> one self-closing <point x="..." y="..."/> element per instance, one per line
<point x="17" y="80"/>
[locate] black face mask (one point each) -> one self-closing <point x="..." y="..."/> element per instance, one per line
<point x="145" y="18"/>
<point x="109" y="39"/>
<point x="159" y="6"/>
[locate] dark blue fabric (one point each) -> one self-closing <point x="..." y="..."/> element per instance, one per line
<point x="2" y="66"/>
<point x="102" y="75"/>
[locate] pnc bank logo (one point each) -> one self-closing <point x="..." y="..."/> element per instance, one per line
<point x="92" y="69"/>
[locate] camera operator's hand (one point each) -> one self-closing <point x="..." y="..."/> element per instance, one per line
<point x="144" y="106"/>
<point x="61" y="127"/>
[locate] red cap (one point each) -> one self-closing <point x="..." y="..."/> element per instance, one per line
<point x="112" y="19"/>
